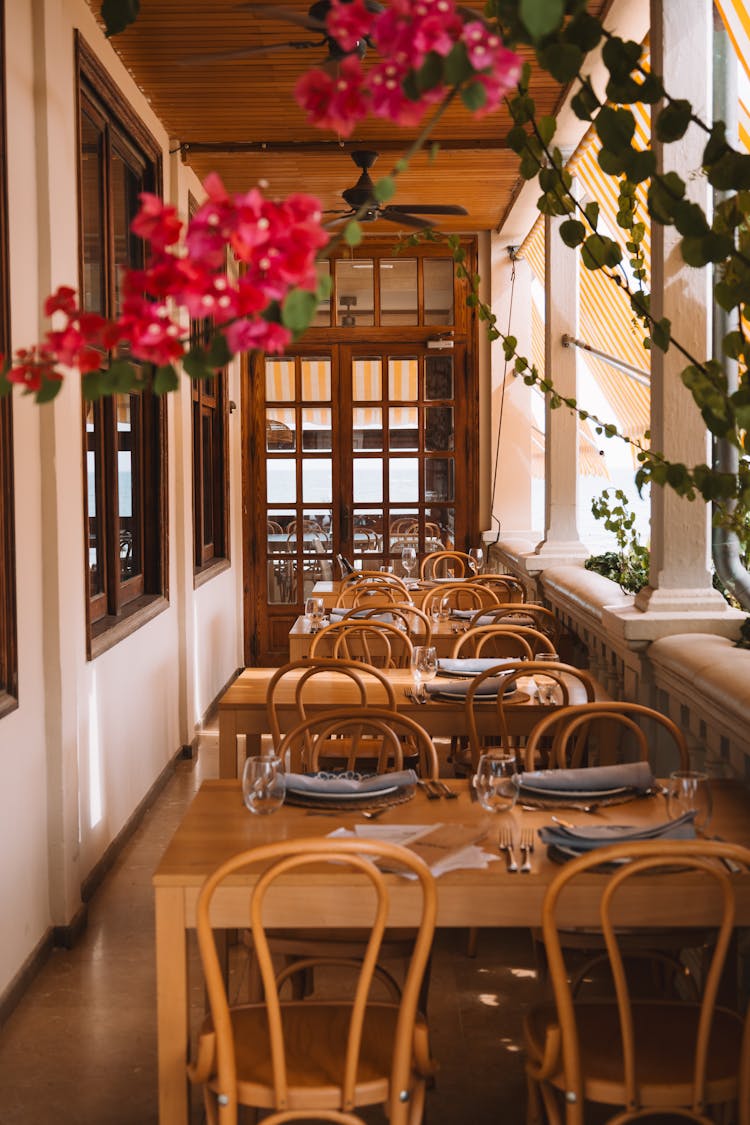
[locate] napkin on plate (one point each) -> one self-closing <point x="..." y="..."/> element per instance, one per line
<point x="585" y="838"/>
<point x="486" y="690"/>
<point x="472" y="666"/>
<point x="312" y="784"/>
<point x="626" y="775"/>
<point x="339" y="614"/>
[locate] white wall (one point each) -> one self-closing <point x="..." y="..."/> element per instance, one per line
<point x="89" y="738"/>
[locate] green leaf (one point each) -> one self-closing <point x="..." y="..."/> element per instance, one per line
<point x="620" y="56"/>
<point x="585" y="103"/>
<point x="516" y="138"/>
<point x="384" y="188"/>
<point x="121" y="377"/>
<point x="509" y="346"/>
<point x="591" y="211"/>
<point x="717" y="144"/>
<point x="49" y="389"/>
<point x="689" y="218"/>
<point x="541" y="17"/>
<point x="165" y="379"/>
<point x="610" y="163"/>
<point x="640" y="164"/>
<point x="195" y="364"/>
<point x="660" y="333"/>
<point x="119" y="14"/>
<point x="474" y="96"/>
<point x="522" y="109"/>
<point x="430" y="73"/>
<point x="324" y="287"/>
<point x="733" y="345"/>
<point x="298" y="309"/>
<point x="219" y="354"/>
<point x="616" y="128"/>
<point x="562" y="60"/>
<point x="546" y="126"/>
<point x="598" y="251"/>
<point x="457" y="67"/>
<point x="584" y="30"/>
<point x="5" y="384"/>
<point x="352" y="233"/>
<point x="92" y="385"/>
<point x="731" y="172"/>
<point x="672" y="123"/>
<point x="572" y="232"/>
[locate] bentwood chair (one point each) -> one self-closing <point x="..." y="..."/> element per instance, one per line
<point x="415" y="621"/>
<point x="463" y="596"/>
<point x="502" y="640"/>
<point x="511" y="613"/>
<point x="376" y="642"/>
<point x="316" y="1056"/>
<point x="443" y="564"/>
<point x="505" y="586"/>
<point x="647" y="1056"/>
<point x="380" y="736"/>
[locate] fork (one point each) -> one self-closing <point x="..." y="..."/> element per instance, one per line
<point x="505" y="844"/>
<point x="527" y="847"/>
<point x="444" y="789"/>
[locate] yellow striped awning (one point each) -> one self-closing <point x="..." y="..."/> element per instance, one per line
<point x="735" y="16"/>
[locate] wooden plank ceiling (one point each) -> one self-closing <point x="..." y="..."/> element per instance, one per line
<point x="219" y="102"/>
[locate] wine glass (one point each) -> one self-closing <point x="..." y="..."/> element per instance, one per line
<point x="314" y="610"/>
<point x="690" y="791"/>
<point x="476" y="559"/>
<point x="263" y="788"/>
<point x="409" y="560"/>
<point x="496" y="789"/>
<point x="423" y="667"/>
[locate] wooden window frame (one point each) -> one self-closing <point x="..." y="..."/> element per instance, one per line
<point x="122" y="604"/>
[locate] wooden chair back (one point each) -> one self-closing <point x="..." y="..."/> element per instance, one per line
<point x="505" y="586"/>
<point x="441" y="564"/>
<point x="329" y="1078"/>
<point x="511" y="673"/>
<point x="647" y="861"/>
<point x="502" y="640"/>
<point x="359" y="576"/>
<point x="534" y="616"/>
<point x="378" y="643"/>
<point x="464" y="596"/>
<point x="303" y="673"/>
<point x="570" y="727"/>
<point x="382" y="736"/>
<point x="415" y="621"/>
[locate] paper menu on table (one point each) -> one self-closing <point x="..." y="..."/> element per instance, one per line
<point x="443" y="847"/>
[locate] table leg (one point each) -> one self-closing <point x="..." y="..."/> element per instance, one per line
<point x="230" y="725"/>
<point x="172" y="1004"/>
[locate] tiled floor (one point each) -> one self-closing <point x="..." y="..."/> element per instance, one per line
<point x="80" y="1049"/>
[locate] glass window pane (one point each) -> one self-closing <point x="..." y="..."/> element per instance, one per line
<point x="128" y="484"/>
<point x="438" y="427"/>
<point x="367" y="380"/>
<point x="279" y="380"/>
<point x="92" y="219"/>
<point x="316" y="379"/>
<point x="281" y="480"/>
<point x="277" y="529"/>
<point x="439" y="529"/>
<point x="127" y="184"/>
<point x="438" y="290"/>
<point x="94" y="483"/>
<point x="354" y="293"/>
<point x="209" y="462"/>
<point x="398" y="291"/>
<point x="368" y="480"/>
<point x="403" y="427"/>
<point x="403" y="477"/>
<point x="438" y="479"/>
<point x="317" y="480"/>
<point x="403" y="526"/>
<point x="403" y="379"/>
<point x="281" y="581"/>
<point x="316" y="429"/>
<point x="368" y="535"/>
<point x="322" y="318"/>
<point x="280" y="430"/>
<point x="438" y="376"/>
<point x="367" y="428"/>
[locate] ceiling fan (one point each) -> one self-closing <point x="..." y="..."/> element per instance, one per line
<point x="405" y="214"/>
<point x="314" y="20"/>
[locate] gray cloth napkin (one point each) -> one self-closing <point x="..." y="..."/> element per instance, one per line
<point x="630" y="775"/>
<point x="346" y="786"/>
<point x="585" y="839"/>
<point x="339" y="614"/>
<point x="486" y="690"/>
<point x="472" y="666"/>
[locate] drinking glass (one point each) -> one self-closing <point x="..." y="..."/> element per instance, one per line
<point x="263" y="788"/>
<point x="409" y="560"/>
<point x="547" y="689"/>
<point x="423" y="666"/>
<point x="476" y="559"/>
<point x="689" y="791"/>
<point x="314" y="610"/>
<point x="386" y="570"/>
<point x="496" y="789"/>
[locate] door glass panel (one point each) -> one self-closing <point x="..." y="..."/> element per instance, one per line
<point x="398" y="291"/>
<point x="437" y="279"/>
<point x="316" y="379"/>
<point x="367" y="380"/>
<point x="438" y="479"/>
<point x="317" y="480"/>
<point x="403" y="379"/>
<point x="367" y="428"/>
<point x="368" y="480"/>
<point x="368" y="535"/>
<point x="316" y="428"/>
<point x="281" y="480"/>
<point x="403" y="427"/>
<point x="128" y="485"/>
<point x="279" y="380"/>
<point x="438" y="427"/>
<point x="277" y="525"/>
<point x="93" y="479"/>
<point x="402" y="529"/>
<point x="403" y="479"/>
<point x="354" y="293"/>
<point x="439" y="529"/>
<point x="280" y="429"/>
<point x="438" y="376"/>
<point x="322" y="318"/>
<point x="281" y="581"/>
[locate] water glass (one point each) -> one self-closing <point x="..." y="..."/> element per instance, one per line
<point x="409" y="560"/>
<point x="476" y="559"/>
<point x="494" y="781"/>
<point x="423" y="666"/>
<point x="690" y="791"/>
<point x="263" y="787"/>
<point x="314" y="611"/>
<point x="547" y="690"/>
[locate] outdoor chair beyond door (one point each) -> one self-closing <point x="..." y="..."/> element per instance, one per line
<point x="313" y="1055"/>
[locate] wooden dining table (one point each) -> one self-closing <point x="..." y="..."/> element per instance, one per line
<point x="243" y="710"/>
<point x="444" y="635"/>
<point x="217" y="825"/>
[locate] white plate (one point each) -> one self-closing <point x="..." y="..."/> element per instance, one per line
<point x="368" y="795"/>
<point x="453" y="697"/>
<point x="575" y="794"/>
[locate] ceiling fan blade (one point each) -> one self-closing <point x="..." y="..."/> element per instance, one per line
<point x="404" y="220"/>
<point x="429" y="209"/>
<point x="207" y="59"/>
<point x="276" y="12"/>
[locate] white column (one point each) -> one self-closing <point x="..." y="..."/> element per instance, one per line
<point x="680" y="596"/>
<point x="561" y="543"/>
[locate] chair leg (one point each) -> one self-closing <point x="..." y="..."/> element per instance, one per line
<point x="472" y="941"/>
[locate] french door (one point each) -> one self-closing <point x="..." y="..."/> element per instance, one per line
<point x="359" y="450"/>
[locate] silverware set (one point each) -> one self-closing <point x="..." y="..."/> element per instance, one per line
<point x="526" y="845"/>
<point x="414" y="696"/>
<point x="434" y="789"/>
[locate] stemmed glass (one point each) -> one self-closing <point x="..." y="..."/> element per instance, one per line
<point x="476" y="559"/>
<point x="409" y="560"/>
<point x="423" y="667"/>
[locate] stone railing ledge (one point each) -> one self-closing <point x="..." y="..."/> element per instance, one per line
<point x="577" y="590"/>
<point x="683" y="615"/>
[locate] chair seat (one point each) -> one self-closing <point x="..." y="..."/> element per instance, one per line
<point x="315" y="1034"/>
<point x="397" y="942"/>
<point x="665" y="1035"/>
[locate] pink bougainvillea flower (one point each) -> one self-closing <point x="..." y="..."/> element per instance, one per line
<point x="349" y="22"/>
<point x="156" y="221"/>
<point x="390" y="101"/>
<point x="62" y="300"/>
<point x="334" y="103"/>
<point x="265" y="335"/>
<point x="31" y="366"/>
